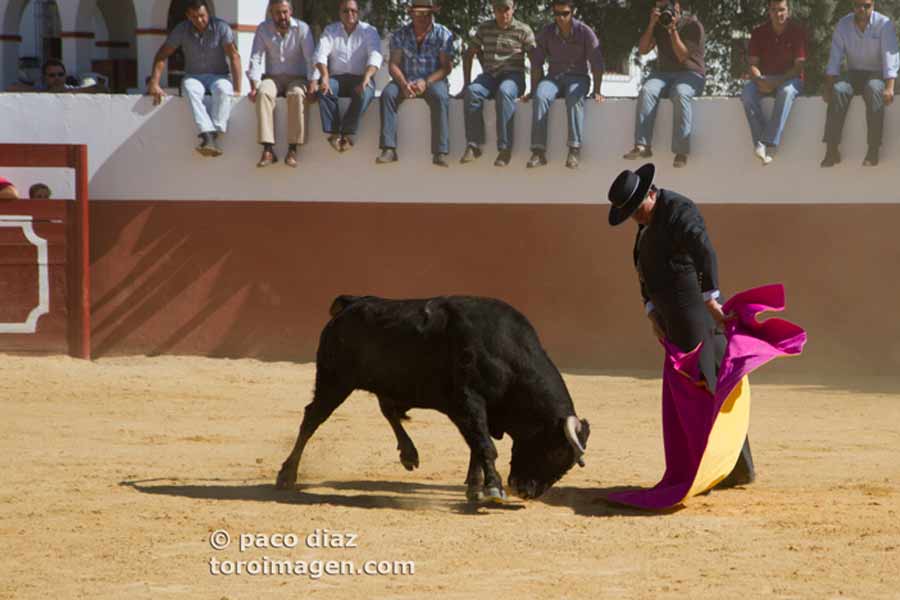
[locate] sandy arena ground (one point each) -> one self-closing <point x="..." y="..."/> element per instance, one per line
<point x="115" y="474"/>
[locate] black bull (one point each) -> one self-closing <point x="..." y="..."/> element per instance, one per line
<point x="477" y="360"/>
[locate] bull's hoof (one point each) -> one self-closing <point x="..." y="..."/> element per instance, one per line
<point x="493" y="494"/>
<point x="286" y="480"/>
<point x="409" y="460"/>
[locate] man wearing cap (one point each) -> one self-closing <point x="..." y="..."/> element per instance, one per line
<point x="568" y="45"/>
<point x="420" y="61"/>
<point x="501" y="45"/>
<point x="206" y="42"/>
<point x="678" y="273"/>
<point x="281" y="63"/>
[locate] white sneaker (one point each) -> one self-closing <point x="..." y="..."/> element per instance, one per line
<point x="760" y="153"/>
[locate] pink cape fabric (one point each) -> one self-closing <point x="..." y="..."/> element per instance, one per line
<point x="690" y="410"/>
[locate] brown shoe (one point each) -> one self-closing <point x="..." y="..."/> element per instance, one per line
<point x="639" y="151"/>
<point x="268" y="157"/>
<point x="680" y="161"/>
<point x="335" y="141"/>
<point x="291" y="159"/>
<point x="346" y="143"/>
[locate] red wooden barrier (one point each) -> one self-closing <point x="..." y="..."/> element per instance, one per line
<point x="58" y="228"/>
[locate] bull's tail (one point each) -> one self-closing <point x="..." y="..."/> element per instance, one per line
<point x="342" y="302"/>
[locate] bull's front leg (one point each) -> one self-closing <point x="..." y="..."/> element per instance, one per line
<point x="326" y="399"/>
<point x="471" y="420"/>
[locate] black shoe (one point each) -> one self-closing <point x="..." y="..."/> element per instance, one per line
<point x="471" y="153"/>
<point x="538" y="159"/>
<point x="871" y="159"/>
<point x="207" y="146"/>
<point x="503" y="158"/>
<point x="388" y="155"/>
<point x="736" y="478"/>
<point x="639" y="151"/>
<point x="574" y="157"/>
<point x="743" y="473"/>
<point x="832" y="157"/>
<point x="439" y="160"/>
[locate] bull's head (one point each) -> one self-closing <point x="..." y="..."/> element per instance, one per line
<point x="541" y="460"/>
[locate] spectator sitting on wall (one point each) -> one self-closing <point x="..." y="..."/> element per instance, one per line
<point x="281" y="63"/>
<point x="568" y="45"/>
<point x="420" y="61"/>
<point x="867" y="40"/>
<point x="777" y="54"/>
<point x="206" y="42"/>
<point x="680" y="74"/>
<point x="39" y="191"/>
<point x="501" y="45"/>
<point x="7" y="190"/>
<point x="348" y="56"/>
<point x="55" y="81"/>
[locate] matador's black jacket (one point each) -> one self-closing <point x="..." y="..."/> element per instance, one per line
<point x="676" y="263"/>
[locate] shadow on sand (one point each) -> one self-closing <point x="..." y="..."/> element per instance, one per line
<point x="383" y="494"/>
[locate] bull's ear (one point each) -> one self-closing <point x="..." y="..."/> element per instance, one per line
<point x="584" y="433"/>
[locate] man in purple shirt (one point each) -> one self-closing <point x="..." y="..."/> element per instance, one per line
<point x="567" y="44"/>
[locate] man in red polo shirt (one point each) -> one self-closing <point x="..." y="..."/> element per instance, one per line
<point x="777" y="54"/>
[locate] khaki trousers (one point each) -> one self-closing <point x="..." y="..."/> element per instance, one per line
<point x="294" y="88"/>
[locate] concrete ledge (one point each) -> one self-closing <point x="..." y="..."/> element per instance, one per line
<point x="138" y="151"/>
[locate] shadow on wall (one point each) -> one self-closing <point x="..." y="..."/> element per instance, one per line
<point x="257" y="279"/>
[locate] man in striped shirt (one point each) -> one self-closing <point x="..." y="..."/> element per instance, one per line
<point x="501" y="46"/>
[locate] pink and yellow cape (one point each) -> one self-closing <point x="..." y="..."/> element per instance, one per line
<point x="703" y="433"/>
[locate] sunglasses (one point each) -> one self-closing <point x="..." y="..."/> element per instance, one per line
<point x="562" y="13"/>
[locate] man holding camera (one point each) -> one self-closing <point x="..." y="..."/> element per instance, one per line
<point x="680" y="75"/>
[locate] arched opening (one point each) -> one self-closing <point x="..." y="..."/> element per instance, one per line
<point x="177" y="12"/>
<point x="39" y="27"/>
<point x="115" y="43"/>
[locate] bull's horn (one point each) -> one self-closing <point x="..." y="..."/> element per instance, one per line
<point x="573" y="426"/>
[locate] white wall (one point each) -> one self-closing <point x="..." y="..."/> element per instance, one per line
<point x="141" y="152"/>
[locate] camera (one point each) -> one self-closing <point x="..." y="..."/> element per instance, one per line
<point x="667" y="16"/>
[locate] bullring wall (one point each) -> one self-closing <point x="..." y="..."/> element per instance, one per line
<point x="213" y="256"/>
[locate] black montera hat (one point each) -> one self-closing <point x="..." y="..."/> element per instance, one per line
<point x="628" y="191"/>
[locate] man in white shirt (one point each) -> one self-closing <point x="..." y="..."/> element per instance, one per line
<point x="868" y="41"/>
<point x="281" y="64"/>
<point x="348" y="56"/>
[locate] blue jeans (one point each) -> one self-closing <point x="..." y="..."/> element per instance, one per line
<point x="194" y="88"/>
<point x="768" y="131"/>
<point x="871" y="86"/>
<point x="437" y="95"/>
<point x="507" y="87"/>
<point x="680" y="87"/>
<point x="573" y="88"/>
<point x="344" y="86"/>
